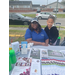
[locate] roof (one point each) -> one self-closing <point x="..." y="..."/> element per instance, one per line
<point x="20" y="2"/>
<point x="35" y="5"/>
<point x="55" y="2"/>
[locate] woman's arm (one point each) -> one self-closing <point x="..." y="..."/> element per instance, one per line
<point x="35" y="43"/>
<point x="46" y="42"/>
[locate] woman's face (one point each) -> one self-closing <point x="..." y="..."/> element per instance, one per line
<point x="34" y="25"/>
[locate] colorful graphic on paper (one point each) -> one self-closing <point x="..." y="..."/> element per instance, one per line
<point x="35" y="53"/>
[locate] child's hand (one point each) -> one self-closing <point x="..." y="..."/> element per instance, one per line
<point x="50" y="40"/>
<point x="50" y="43"/>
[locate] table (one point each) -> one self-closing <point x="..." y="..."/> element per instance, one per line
<point x="41" y="47"/>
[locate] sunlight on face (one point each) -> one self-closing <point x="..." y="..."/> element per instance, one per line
<point x="50" y="22"/>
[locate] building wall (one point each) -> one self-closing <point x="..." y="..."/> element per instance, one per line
<point x="55" y="4"/>
<point x="20" y="6"/>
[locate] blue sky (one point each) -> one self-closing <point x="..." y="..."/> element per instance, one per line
<point x="41" y="2"/>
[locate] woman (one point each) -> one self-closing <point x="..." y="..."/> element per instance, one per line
<point x="35" y="34"/>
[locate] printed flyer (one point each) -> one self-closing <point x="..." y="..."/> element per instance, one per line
<point x="22" y="66"/>
<point x="53" y="62"/>
<point x="35" y="53"/>
<point x="35" y="67"/>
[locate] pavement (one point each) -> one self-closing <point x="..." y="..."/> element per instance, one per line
<point x="35" y="12"/>
<point x="58" y="20"/>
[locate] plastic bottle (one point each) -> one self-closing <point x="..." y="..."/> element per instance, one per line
<point x="12" y="56"/>
<point x="58" y="40"/>
<point x="24" y="45"/>
<point x="10" y="66"/>
<point x="10" y="48"/>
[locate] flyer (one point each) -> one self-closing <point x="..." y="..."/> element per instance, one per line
<point x="53" y="63"/>
<point x="53" y="67"/>
<point x="35" y="67"/>
<point x="35" y="53"/>
<point x="22" y="66"/>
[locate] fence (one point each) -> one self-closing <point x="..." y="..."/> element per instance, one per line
<point x="31" y="10"/>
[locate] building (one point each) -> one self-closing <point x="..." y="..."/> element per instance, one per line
<point x="20" y="4"/>
<point x="54" y="4"/>
<point x="35" y="6"/>
<point x="23" y="4"/>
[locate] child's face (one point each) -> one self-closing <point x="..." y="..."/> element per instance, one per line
<point x="50" y="22"/>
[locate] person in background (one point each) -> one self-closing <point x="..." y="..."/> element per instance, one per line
<point x="51" y="30"/>
<point x="35" y="34"/>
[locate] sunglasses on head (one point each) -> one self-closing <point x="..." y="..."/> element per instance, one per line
<point x="34" y="22"/>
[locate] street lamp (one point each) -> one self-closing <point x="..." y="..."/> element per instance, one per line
<point x="56" y="7"/>
<point x="56" y="11"/>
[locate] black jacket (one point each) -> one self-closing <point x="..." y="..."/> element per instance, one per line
<point x="53" y="33"/>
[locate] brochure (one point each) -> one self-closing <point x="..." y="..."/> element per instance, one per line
<point x="53" y="67"/>
<point x="54" y="63"/>
<point x="35" y="53"/>
<point x="22" y="66"/>
<point x="35" y="67"/>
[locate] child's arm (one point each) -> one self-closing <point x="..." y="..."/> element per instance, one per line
<point x="54" y="34"/>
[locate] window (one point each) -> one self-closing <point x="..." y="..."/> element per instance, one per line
<point x="28" y="6"/>
<point x="11" y="6"/>
<point x="61" y="7"/>
<point x="25" y="6"/>
<point x="47" y="13"/>
<point x="17" y="6"/>
<point x="50" y="6"/>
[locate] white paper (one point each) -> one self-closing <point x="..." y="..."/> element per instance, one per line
<point x="21" y="70"/>
<point x="35" y="67"/>
<point x="22" y="66"/>
<point x="34" y="53"/>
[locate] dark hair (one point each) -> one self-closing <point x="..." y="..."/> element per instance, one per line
<point x="52" y="17"/>
<point x="38" y="28"/>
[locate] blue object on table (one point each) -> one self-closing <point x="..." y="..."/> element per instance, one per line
<point x="24" y="42"/>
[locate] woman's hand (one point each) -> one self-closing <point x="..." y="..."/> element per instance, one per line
<point x="44" y="44"/>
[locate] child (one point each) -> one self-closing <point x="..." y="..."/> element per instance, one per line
<point x="51" y="31"/>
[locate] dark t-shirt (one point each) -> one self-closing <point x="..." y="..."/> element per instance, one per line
<point x="53" y="33"/>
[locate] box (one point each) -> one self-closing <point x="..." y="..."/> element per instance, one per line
<point x="15" y="47"/>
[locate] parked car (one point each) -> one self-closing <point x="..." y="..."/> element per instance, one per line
<point x="18" y="19"/>
<point x="43" y="15"/>
<point x="56" y="10"/>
